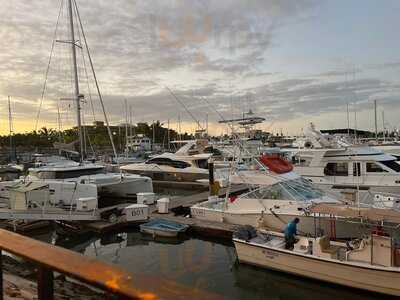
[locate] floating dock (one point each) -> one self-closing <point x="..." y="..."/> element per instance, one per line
<point x="201" y="227"/>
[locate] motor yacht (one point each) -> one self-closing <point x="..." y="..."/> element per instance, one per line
<point x="341" y="166"/>
<point x="172" y="167"/>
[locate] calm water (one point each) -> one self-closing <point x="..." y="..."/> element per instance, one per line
<point x="208" y="265"/>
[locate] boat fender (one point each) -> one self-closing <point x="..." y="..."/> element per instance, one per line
<point x="349" y="247"/>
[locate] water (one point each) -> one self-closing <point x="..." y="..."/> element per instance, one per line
<point x="205" y="264"/>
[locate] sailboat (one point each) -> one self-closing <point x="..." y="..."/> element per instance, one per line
<point x="82" y="172"/>
<point x="11" y="170"/>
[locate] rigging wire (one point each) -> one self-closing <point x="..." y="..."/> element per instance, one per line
<point x="185" y="107"/>
<point x="48" y="66"/>
<point x="96" y="82"/>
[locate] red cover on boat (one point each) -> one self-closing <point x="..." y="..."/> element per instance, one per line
<point x="276" y="163"/>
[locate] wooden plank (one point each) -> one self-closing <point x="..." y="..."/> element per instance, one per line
<point x="96" y="273"/>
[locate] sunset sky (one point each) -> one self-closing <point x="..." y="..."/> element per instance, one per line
<point x="291" y="62"/>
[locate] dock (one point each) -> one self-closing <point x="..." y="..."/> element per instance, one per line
<point x="196" y="226"/>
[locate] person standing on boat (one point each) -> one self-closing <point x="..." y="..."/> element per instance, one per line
<point x="290" y="233"/>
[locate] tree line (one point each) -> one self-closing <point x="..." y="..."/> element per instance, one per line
<point x="96" y="136"/>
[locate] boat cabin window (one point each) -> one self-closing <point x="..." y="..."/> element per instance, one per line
<point x="357" y="169"/>
<point x="77" y="173"/>
<point x="212" y="150"/>
<point x="374" y="168"/>
<point x="336" y="169"/>
<point x="163" y="161"/>
<point x="202" y="163"/>
<point x="391" y="164"/>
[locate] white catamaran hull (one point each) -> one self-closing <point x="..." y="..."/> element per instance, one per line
<point x="352" y="275"/>
<point x="127" y="189"/>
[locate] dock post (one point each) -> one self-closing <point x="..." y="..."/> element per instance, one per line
<point x="214" y="186"/>
<point x="45" y="283"/>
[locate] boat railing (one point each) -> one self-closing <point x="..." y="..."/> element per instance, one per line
<point x="49" y="259"/>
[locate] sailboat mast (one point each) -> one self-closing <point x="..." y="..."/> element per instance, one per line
<point x="126" y="128"/>
<point x="76" y="79"/>
<point x="11" y="129"/>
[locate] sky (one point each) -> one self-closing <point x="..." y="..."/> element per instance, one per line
<point x="289" y="61"/>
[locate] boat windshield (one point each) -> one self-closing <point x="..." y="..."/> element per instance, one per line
<point x="296" y="189"/>
<point x="391" y="164"/>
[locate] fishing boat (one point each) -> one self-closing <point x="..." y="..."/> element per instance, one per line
<point x="370" y="263"/>
<point x="274" y="200"/>
<point x="163" y="228"/>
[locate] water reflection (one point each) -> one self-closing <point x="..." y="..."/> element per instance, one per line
<point x="203" y="264"/>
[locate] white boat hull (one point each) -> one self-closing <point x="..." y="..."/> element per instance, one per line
<point x="279" y="222"/>
<point x="352" y="275"/>
<point x="126" y="188"/>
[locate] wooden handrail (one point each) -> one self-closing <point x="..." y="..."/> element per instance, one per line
<point x="98" y="274"/>
<point x="89" y="270"/>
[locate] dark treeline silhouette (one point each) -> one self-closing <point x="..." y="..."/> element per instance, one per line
<point x="97" y="136"/>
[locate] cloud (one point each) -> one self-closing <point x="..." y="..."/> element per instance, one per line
<point x="217" y="50"/>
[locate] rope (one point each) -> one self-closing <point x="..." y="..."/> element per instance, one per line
<point x="48" y="66"/>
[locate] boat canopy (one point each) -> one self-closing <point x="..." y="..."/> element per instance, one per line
<point x="296" y="189"/>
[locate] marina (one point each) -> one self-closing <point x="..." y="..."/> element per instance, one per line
<point x="185" y="150"/>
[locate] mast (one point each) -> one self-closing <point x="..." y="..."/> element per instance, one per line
<point x="383" y="126"/>
<point x="179" y="127"/>
<point x="130" y="121"/>
<point x="376" y="122"/>
<point x="348" y="120"/>
<point x="168" y="137"/>
<point x="126" y="128"/>
<point x="11" y="129"/>
<point x="76" y="80"/>
<point x="154" y="135"/>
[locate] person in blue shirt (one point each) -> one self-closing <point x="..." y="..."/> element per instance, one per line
<point x="290" y="233"/>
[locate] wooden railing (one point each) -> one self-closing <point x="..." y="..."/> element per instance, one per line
<point x="50" y="259"/>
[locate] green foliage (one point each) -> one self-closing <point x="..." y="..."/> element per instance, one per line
<point x="98" y="136"/>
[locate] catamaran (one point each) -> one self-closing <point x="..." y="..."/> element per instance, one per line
<point x="109" y="184"/>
